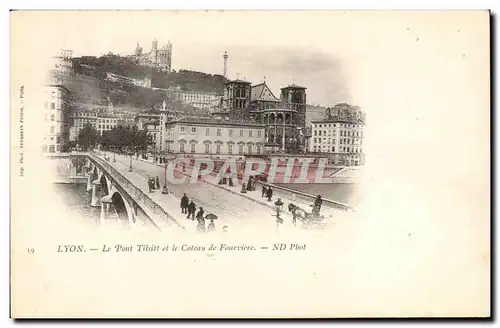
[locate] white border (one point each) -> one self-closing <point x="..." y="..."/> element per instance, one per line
<point x="176" y="4"/>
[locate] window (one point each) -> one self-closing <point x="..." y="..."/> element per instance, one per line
<point x="58" y="139"/>
<point x="217" y="149"/>
<point x="240" y="151"/>
<point x="52" y="106"/>
<point x="333" y="149"/>
<point x="193" y="130"/>
<point x="259" y="133"/>
<point x="314" y="140"/>
<point x="218" y="132"/>
<point x="207" y="148"/>
<point x="230" y="149"/>
<point x="249" y="149"/>
<point x="53" y="94"/>
<point x="183" y="129"/>
<point x="52" y="129"/>
<point x="241" y="133"/>
<point x="207" y="131"/>
<point x="193" y="147"/>
<point x="258" y="150"/>
<point x="51" y="149"/>
<point x="249" y="133"/>
<point x="230" y="132"/>
<point x="181" y="147"/>
<point x="315" y="133"/>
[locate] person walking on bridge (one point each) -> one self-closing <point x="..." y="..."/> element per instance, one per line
<point x="184" y="204"/>
<point x="264" y="190"/>
<point x="317" y="205"/>
<point x="201" y="220"/>
<point x="191" y="210"/>
<point x="269" y="194"/>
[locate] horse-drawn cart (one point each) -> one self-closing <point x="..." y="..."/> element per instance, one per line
<point x="309" y="220"/>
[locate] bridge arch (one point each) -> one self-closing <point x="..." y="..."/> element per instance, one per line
<point x="121" y="206"/>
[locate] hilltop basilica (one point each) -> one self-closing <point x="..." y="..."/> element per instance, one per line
<point x="161" y="59"/>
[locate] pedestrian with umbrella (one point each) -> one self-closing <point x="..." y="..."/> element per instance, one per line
<point x="211" y="225"/>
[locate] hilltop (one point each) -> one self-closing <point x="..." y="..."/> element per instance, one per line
<point x="89" y="83"/>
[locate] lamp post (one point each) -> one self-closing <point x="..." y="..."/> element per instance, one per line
<point x="279" y="208"/>
<point x="130" y="167"/>
<point x="165" y="188"/>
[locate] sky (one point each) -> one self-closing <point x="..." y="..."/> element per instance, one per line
<point x="283" y="47"/>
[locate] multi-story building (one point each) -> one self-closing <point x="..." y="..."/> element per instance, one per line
<point x="198" y="99"/>
<point x="56" y="119"/>
<point x="220" y="137"/>
<point x="152" y="121"/>
<point x="79" y="119"/>
<point x="340" y="135"/>
<point x="126" y="117"/>
<point x="160" y="59"/>
<point x="106" y="122"/>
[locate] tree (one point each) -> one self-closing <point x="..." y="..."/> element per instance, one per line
<point x="88" y="136"/>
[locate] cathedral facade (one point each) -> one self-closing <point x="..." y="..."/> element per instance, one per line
<point x="159" y="58"/>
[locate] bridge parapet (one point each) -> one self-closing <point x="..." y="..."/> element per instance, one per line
<point x="141" y="198"/>
<point x="308" y="198"/>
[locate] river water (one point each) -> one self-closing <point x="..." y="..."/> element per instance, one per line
<point x="77" y="199"/>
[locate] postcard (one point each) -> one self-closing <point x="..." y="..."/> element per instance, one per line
<point x="250" y="164"/>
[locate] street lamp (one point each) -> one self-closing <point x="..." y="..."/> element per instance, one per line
<point x="279" y="208"/>
<point x="165" y="188"/>
<point x="130" y="167"/>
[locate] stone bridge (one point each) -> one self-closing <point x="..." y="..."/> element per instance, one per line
<point x="113" y="192"/>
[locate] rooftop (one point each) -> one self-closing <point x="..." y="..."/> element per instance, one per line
<point x="293" y="86"/>
<point x="214" y="121"/>
<point x="338" y="120"/>
<point x="238" y="81"/>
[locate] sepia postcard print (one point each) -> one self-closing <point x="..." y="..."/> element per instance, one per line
<point x="250" y="164"/>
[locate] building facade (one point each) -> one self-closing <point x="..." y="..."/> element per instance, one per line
<point x="198" y="99"/>
<point x="106" y="122"/>
<point x="218" y="137"/>
<point x="56" y="119"/>
<point x="152" y="120"/>
<point x="340" y="135"/>
<point x="79" y="119"/>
